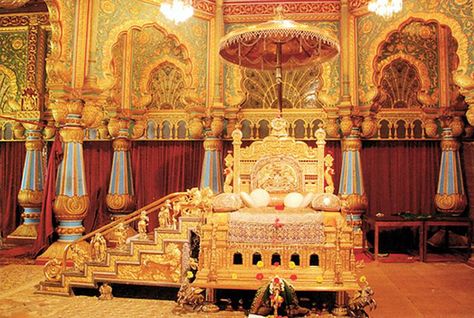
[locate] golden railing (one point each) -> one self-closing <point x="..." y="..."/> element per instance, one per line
<point x="134" y="216"/>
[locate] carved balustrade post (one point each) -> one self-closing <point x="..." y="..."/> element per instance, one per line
<point x="450" y="197"/>
<point x="31" y="190"/>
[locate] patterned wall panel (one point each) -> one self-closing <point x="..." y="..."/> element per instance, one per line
<point x="373" y="30"/>
<point x="13" y="59"/>
<point x="114" y="17"/>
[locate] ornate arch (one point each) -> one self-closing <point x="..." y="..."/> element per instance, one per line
<point x="452" y="24"/>
<point x="423" y="95"/>
<point x="108" y="81"/>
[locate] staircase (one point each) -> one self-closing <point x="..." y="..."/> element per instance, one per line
<point x="160" y="258"/>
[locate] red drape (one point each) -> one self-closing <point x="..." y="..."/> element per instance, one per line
<point x="97" y="165"/>
<point x="162" y="167"/>
<point x="12" y="159"/>
<point x="400" y="176"/>
<point x="47" y="222"/>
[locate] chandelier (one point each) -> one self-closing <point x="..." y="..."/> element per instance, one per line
<point x="385" y="8"/>
<point x="177" y="10"/>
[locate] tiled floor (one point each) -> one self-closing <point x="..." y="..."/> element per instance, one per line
<point x="422" y="289"/>
<point x="401" y="290"/>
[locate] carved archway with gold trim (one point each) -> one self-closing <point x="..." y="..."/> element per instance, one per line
<point x="108" y="81"/>
<point x="452" y="24"/>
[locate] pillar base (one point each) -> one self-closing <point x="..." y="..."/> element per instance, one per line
<point x="56" y="250"/>
<point x="25" y="232"/>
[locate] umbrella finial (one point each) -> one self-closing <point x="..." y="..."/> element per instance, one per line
<point x="279" y="12"/>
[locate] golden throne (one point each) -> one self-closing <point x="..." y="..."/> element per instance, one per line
<point x="244" y="247"/>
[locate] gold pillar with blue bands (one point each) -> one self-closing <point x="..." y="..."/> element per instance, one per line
<point x="351" y="185"/>
<point x="211" y="176"/>
<point x="120" y="197"/>
<point x="72" y="201"/>
<point x="31" y="189"/>
<point x="450" y="196"/>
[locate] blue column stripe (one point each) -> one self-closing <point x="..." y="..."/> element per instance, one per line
<point x="459" y="179"/>
<point x="350" y="165"/>
<point x="121" y="176"/>
<point x="441" y="173"/>
<point x="81" y="180"/>
<point x="128" y="165"/>
<point x="113" y="182"/>
<point x="342" y="181"/>
<point x="450" y="177"/>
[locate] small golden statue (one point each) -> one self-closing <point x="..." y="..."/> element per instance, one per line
<point x="328" y="174"/>
<point x="98" y="248"/>
<point x="105" y="292"/>
<point x="121" y="235"/>
<point x="142" y="226"/>
<point x="164" y="216"/>
<point x="229" y="173"/>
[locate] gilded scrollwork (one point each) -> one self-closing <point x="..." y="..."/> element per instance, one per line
<point x="53" y="270"/>
<point x="71" y="207"/>
<point x="79" y="258"/>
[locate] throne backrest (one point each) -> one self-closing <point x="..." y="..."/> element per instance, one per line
<point x="279" y="163"/>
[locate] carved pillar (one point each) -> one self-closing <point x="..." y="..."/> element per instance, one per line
<point x="211" y="176"/>
<point x="120" y="197"/>
<point x="31" y="190"/>
<point x="72" y="201"/>
<point x="450" y="197"/>
<point x="351" y="186"/>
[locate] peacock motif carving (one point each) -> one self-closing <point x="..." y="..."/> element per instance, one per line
<point x="299" y="88"/>
<point x="401" y="84"/>
<point x="167" y="85"/>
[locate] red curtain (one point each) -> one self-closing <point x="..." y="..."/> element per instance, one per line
<point x="12" y="159"/>
<point x="97" y="165"/>
<point x="400" y="176"/>
<point x="163" y="167"/>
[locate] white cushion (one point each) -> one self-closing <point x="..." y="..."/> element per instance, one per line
<point x="293" y="200"/>
<point x="326" y="202"/>
<point x="247" y="199"/>
<point x="307" y="200"/>
<point x="260" y="197"/>
<point x="226" y="202"/>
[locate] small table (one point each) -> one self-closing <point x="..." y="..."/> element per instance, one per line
<point x="452" y="221"/>
<point x="380" y="223"/>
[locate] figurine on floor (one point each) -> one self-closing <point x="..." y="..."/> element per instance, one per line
<point x="361" y="299"/>
<point x="142" y="226"/>
<point x="105" y="292"/>
<point x="278" y="297"/>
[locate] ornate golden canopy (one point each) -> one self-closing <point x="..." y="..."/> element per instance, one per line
<point x="277" y="44"/>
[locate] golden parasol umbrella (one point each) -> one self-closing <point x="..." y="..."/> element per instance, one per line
<point x="277" y="44"/>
